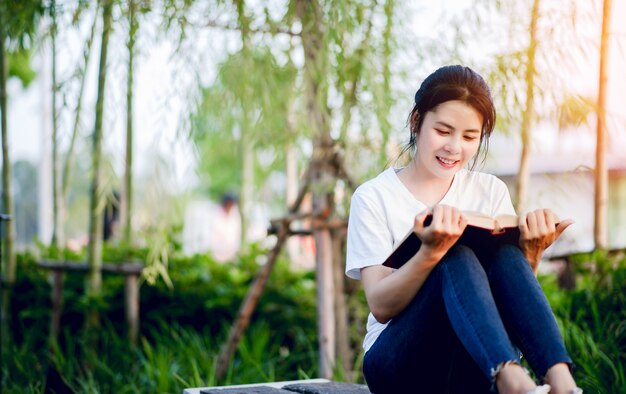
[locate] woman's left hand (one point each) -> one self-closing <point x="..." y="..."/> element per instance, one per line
<point x="538" y="230"/>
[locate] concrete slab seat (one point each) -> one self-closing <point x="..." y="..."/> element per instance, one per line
<point x="311" y="386"/>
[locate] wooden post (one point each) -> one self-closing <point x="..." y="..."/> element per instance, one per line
<point x="325" y="294"/>
<point x="341" y="309"/>
<point x="248" y="306"/>
<point x="131" y="294"/>
<point x="131" y="272"/>
<point x="283" y="231"/>
<point x="57" y="303"/>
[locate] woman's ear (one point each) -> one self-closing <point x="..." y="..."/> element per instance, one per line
<point x="415" y="116"/>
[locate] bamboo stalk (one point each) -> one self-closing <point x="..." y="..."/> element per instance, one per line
<point x="601" y="194"/>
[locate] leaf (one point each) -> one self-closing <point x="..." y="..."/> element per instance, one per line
<point x="20" y="67"/>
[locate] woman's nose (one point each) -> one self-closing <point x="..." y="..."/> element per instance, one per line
<point x="453" y="145"/>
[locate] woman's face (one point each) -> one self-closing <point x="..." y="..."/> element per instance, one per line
<point x="448" y="138"/>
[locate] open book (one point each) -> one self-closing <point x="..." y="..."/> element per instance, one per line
<point x="481" y="231"/>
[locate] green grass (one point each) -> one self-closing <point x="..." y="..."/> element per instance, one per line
<point x="183" y="328"/>
<point x="172" y="359"/>
<point x="592" y="319"/>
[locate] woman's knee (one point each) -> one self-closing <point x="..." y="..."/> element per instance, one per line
<point x="509" y="262"/>
<point x="460" y="252"/>
<point x="512" y="255"/>
<point x="511" y="251"/>
<point x="460" y="256"/>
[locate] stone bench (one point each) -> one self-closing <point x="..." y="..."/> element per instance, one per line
<point x="310" y="386"/>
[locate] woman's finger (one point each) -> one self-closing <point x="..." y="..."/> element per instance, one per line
<point x="419" y="225"/>
<point x="531" y="220"/>
<point x="462" y="222"/>
<point x="549" y="219"/>
<point x="437" y="216"/>
<point x="447" y="218"/>
<point x="542" y="226"/>
<point x="522" y="223"/>
<point x="562" y="226"/>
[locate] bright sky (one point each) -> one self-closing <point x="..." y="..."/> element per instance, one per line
<point x="161" y="88"/>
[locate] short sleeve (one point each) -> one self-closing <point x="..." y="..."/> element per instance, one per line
<point x="369" y="238"/>
<point x="502" y="204"/>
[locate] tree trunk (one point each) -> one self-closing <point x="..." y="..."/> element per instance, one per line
<point x="523" y="175"/>
<point x="94" y="249"/>
<point x="601" y="173"/>
<point x="245" y="143"/>
<point x="247" y="180"/>
<point x="291" y="193"/>
<point x="57" y="211"/>
<point x="350" y="94"/>
<point x="315" y="70"/>
<point x="69" y="159"/>
<point x="382" y="115"/>
<point x="127" y="198"/>
<point x="8" y="251"/>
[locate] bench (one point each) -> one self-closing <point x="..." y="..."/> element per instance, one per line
<point x="309" y="386"/>
<point x="131" y="272"/>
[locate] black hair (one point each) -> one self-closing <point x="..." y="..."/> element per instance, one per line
<point x="228" y="198"/>
<point x="453" y="83"/>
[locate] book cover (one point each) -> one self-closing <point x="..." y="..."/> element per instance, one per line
<point x="481" y="232"/>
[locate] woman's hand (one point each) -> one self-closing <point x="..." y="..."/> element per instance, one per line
<point x="387" y="294"/>
<point x="538" y="230"/>
<point x="447" y="225"/>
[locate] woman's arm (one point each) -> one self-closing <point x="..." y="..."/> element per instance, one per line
<point x="538" y="230"/>
<point x="389" y="292"/>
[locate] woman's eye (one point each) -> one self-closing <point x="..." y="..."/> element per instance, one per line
<point x="470" y="138"/>
<point x="442" y="132"/>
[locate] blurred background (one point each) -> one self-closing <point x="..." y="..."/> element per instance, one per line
<point x="190" y="74"/>
<point x="170" y="133"/>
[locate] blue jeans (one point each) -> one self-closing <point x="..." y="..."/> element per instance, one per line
<point x="474" y="312"/>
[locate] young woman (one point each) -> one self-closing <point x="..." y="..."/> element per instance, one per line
<point x="452" y="319"/>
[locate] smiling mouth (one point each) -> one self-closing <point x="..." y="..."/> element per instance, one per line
<point x="447" y="162"/>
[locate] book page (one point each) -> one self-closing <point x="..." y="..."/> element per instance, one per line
<point x="507" y="221"/>
<point x="481" y="220"/>
<point x="496" y="224"/>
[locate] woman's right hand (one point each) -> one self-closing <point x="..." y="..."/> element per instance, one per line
<point x="445" y="228"/>
<point x="388" y="294"/>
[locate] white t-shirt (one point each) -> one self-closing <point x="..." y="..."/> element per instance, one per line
<point x="383" y="211"/>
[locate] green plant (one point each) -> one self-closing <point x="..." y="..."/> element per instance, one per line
<point x="592" y="319"/>
<point x="181" y="328"/>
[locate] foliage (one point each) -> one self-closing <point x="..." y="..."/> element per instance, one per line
<point x="19" y="21"/>
<point x="183" y="327"/>
<point x="574" y="110"/>
<point x="238" y="106"/>
<point x="20" y="67"/>
<point x="259" y="95"/>
<point x="592" y="319"/>
<point x="506" y="24"/>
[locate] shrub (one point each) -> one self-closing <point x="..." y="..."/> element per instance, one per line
<point x="181" y="328"/>
<point x="593" y="321"/>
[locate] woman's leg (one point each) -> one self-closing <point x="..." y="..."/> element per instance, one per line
<point x="455" y="300"/>
<point x="464" y="374"/>
<point x="525" y="309"/>
<point x="472" y="311"/>
<point x="415" y="349"/>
